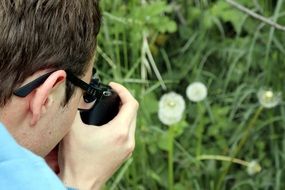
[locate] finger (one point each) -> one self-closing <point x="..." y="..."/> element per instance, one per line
<point x="122" y="91"/>
<point x="129" y="106"/>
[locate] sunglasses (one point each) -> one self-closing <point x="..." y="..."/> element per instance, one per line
<point x="92" y="92"/>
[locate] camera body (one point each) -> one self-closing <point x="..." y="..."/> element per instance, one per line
<point x="105" y="108"/>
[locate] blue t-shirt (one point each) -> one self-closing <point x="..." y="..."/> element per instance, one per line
<point x="22" y="169"/>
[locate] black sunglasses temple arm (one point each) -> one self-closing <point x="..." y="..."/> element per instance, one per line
<point x="90" y="90"/>
<point x="28" y="88"/>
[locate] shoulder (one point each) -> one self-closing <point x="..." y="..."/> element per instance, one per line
<point x="22" y="169"/>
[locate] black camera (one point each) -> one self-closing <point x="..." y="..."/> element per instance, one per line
<point x="106" y="105"/>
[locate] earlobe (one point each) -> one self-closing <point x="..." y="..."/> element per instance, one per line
<point x="43" y="96"/>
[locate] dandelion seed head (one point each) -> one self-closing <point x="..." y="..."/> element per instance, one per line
<point x="268" y="94"/>
<point x="253" y="168"/>
<point x="171" y="104"/>
<point x="171" y="108"/>
<point x="196" y="91"/>
<point x="268" y="99"/>
<point x="169" y="119"/>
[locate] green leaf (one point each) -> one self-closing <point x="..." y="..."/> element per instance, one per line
<point x="227" y="13"/>
<point x="149" y="103"/>
<point x="179" y="128"/>
<point x="163" y="141"/>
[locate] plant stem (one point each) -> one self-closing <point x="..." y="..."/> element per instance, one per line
<point x="199" y="130"/>
<point x="236" y="151"/>
<point x="222" y="158"/>
<point x="255" y="15"/>
<point x="170" y="158"/>
<point x="268" y="64"/>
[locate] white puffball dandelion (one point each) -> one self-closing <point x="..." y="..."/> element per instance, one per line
<point x="253" y="167"/>
<point x="268" y="99"/>
<point x="196" y="91"/>
<point x="171" y="108"/>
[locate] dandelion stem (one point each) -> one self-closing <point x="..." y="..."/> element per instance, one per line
<point x="199" y="139"/>
<point x="236" y="151"/>
<point x="223" y="158"/>
<point x="199" y="130"/>
<point x="170" y="158"/>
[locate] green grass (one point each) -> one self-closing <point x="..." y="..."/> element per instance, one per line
<point x="153" y="47"/>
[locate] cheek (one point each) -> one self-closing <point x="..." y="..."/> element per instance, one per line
<point x="71" y="110"/>
<point x="57" y="125"/>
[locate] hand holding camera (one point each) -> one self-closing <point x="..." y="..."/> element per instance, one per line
<point x="88" y="156"/>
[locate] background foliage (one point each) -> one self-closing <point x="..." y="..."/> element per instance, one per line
<point x="157" y="46"/>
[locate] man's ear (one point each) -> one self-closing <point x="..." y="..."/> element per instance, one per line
<point x="44" y="97"/>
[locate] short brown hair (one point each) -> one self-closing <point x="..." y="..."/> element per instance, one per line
<point x="41" y="34"/>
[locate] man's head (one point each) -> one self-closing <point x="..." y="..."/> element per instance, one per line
<point x="37" y="36"/>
